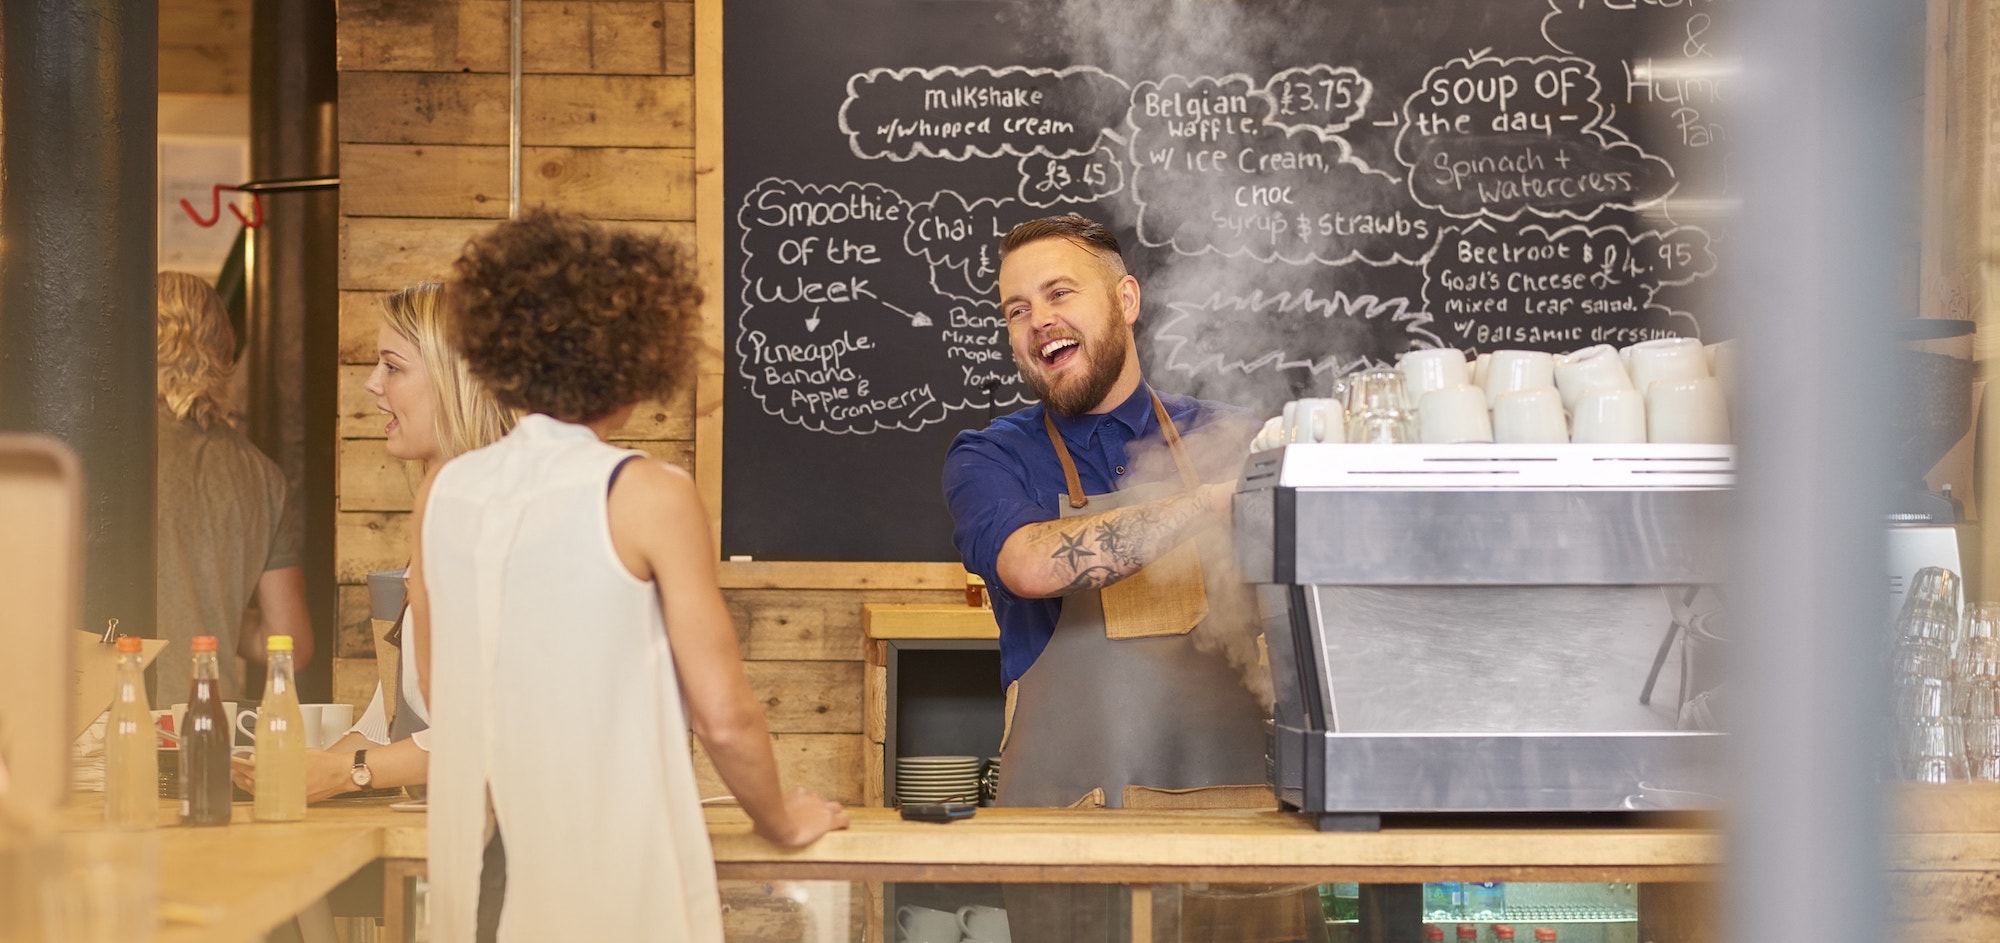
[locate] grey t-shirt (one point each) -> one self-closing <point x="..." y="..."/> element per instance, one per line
<point x="223" y="520"/>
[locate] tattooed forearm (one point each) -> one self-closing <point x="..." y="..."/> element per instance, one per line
<point x="1063" y="556"/>
<point x="1096" y="577"/>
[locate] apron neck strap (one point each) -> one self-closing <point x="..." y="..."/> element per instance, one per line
<point x="1173" y="436"/>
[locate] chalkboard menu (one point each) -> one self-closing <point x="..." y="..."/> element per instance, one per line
<point x="1303" y="188"/>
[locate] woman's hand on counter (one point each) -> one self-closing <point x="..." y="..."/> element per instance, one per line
<point x="809" y="817"/>
<point x="327" y="774"/>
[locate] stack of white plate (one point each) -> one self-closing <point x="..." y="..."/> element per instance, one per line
<point x="937" y="778"/>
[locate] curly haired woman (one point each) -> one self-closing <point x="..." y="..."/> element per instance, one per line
<point x="571" y="594"/>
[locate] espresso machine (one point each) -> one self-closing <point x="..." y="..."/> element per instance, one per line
<point x="1484" y="628"/>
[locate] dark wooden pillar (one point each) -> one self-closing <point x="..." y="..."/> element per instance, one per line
<point x="77" y="255"/>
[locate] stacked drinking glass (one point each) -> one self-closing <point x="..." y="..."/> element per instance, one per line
<point x="1978" y="666"/>
<point x="1930" y="733"/>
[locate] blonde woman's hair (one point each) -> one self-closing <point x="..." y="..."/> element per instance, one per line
<point x="197" y="348"/>
<point x="467" y="416"/>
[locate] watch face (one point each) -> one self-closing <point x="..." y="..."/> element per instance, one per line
<point x="362" y="776"/>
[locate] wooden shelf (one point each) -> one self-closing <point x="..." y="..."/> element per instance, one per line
<point x="916" y="620"/>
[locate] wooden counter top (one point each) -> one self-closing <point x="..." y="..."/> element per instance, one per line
<point x="1133" y="846"/>
<point x="250" y="877"/>
<point x="246" y="878"/>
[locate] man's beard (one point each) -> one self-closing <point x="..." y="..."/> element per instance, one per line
<point x="1105" y="362"/>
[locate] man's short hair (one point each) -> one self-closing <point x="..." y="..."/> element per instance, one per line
<point x="1087" y="234"/>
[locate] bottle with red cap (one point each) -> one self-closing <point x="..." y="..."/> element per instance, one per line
<point x="206" y="735"/>
<point x="1545" y="935"/>
<point x="1433" y="933"/>
<point x="1467" y="931"/>
<point x="1503" y="932"/>
<point x="131" y="746"/>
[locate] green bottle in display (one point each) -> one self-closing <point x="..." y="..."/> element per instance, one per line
<point x="131" y="746"/>
<point x="281" y="741"/>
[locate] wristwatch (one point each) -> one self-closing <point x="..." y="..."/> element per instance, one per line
<point x="361" y="776"/>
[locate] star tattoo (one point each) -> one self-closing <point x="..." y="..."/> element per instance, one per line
<point x="1072" y="548"/>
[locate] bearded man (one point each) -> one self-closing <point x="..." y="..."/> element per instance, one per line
<point x="1095" y="581"/>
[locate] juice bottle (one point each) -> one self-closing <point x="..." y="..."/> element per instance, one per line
<point x="131" y="746"/>
<point x="1467" y="931"/>
<point x="1545" y="935"/>
<point x="1503" y="933"/>
<point x="281" y="741"/>
<point x="205" y="741"/>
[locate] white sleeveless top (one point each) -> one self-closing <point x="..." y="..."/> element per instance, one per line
<point x="553" y="691"/>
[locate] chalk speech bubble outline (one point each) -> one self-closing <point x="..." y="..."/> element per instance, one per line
<point x="1345" y="156"/>
<point x="1651" y="286"/>
<point x="946" y="260"/>
<point x="1118" y="174"/>
<point x="918" y="148"/>
<point x="1609" y="138"/>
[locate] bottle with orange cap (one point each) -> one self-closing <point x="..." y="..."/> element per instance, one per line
<point x="1503" y="933"/>
<point x="1545" y="935"/>
<point x="131" y="746"/>
<point x="281" y="740"/>
<point x="206" y="733"/>
<point x="1467" y="931"/>
<point x="1433" y="933"/>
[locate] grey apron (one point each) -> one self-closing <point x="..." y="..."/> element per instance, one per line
<point x="1097" y="713"/>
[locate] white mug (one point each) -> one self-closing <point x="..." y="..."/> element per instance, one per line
<point x="1592" y="368"/>
<point x="924" y="925"/>
<point x="1687" y="410"/>
<point x="1722" y="365"/>
<point x="1454" y="414"/>
<point x="335" y="719"/>
<point x="1532" y="416"/>
<point x="1433" y="369"/>
<point x="1609" y="417"/>
<point x="982" y="924"/>
<point x="1668" y="358"/>
<point x="1513" y="371"/>
<point x="1315" y="420"/>
<point x="1481" y="365"/>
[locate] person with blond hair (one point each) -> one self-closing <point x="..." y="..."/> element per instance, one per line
<point x="224" y="527"/>
<point x="436" y="410"/>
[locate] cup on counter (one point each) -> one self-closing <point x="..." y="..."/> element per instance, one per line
<point x="1454" y="414"/>
<point x="1607" y="417"/>
<point x="1687" y="410"/>
<point x="1592" y="368"/>
<point x="1530" y="416"/>
<point x="982" y="924"/>
<point x="1666" y="358"/>
<point x="1515" y="371"/>
<point x="1432" y="369"/>
<point x="335" y="719"/>
<point x="1315" y="420"/>
<point x="924" y="925"/>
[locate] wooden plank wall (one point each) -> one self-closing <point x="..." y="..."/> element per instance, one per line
<point x="205" y="47"/>
<point x="608" y="131"/>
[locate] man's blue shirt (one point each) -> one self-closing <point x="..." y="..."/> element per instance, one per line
<point x="1006" y="476"/>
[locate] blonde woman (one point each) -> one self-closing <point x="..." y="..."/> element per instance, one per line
<point x="224" y="530"/>
<point x="436" y="410"/>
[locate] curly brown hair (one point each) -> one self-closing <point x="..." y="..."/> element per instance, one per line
<point x="559" y="315"/>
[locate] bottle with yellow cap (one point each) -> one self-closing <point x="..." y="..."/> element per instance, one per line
<point x="281" y="740"/>
<point x="131" y="746"/>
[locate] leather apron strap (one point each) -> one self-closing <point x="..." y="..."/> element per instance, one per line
<point x="1074" y="484"/>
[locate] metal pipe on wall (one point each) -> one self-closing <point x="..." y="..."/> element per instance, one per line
<point x="294" y="298"/>
<point x="78" y="248"/>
